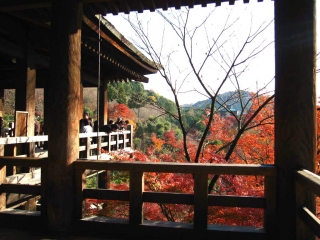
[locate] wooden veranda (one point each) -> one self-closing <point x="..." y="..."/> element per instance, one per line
<point x="290" y="183"/>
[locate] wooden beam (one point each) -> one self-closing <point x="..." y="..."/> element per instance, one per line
<point x="121" y="195"/>
<point x="21" y="188"/>
<point x="27" y="6"/>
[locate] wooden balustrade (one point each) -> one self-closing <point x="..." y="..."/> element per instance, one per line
<point x="96" y="140"/>
<point x="200" y="199"/>
<point x="306" y="183"/>
<point x="136" y="196"/>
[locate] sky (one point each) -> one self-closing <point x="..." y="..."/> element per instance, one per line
<point x="255" y="75"/>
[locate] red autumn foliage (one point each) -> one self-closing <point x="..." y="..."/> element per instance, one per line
<point x="254" y="146"/>
<point x="122" y="110"/>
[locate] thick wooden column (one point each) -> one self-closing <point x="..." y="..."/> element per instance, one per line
<point x="295" y="108"/>
<point x="62" y="118"/>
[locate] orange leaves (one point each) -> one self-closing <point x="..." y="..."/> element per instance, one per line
<point x="158" y="143"/>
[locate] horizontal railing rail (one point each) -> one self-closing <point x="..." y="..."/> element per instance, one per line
<point x="200" y="199"/>
<point x="307" y="180"/>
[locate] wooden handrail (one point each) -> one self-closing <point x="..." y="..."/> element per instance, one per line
<point x="22" y="161"/>
<point x="172" y="167"/>
<point x="307" y="181"/>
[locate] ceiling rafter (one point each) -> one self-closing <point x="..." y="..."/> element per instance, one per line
<point x="139" y="5"/>
<point x="115" y="62"/>
<point x="190" y="3"/>
<point x="152" y="6"/>
<point x="113" y="8"/>
<point x="126" y="7"/>
<point x="177" y="4"/>
<point x="164" y="5"/>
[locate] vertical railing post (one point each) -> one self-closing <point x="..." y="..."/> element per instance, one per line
<point x="200" y="201"/>
<point x="117" y="141"/>
<point x="87" y="151"/>
<point x="80" y="204"/>
<point x="99" y="148"/>
<point x="130" y="136"/>
<point x="135" y="197"/>
<point x="270" y="211"/>
<point x="109" y="142"/>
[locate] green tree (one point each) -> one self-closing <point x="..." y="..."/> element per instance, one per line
<point x="122" y="97"/>
<point x="112" y="93"/>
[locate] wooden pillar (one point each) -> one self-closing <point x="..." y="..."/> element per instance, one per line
<point x="25" y="99"/>
<point x="103" y="105"/>
<point x="81" y="102"/>
<point x="295" y="108"/>
<point x="104" y="179"/>
<point x="62" y="118"/>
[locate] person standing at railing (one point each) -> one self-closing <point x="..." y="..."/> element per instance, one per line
<point x="84" y="118"/>
<point x="86" y="128"/>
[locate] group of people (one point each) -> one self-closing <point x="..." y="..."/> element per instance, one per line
<point x="87" y="126"/>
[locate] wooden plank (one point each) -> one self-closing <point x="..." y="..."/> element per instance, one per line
<point x="236" y="201"/>
<point x="174" y="198"/>
<point x="192" y="168"/>
<point x="21" y="161"/>
<point x="21" y="188"/>
<point x="200" y="201"/>
<point x="310" y="220"/>
<point x="121" y="195"/>
<point x="136" y="197"/>
<point x="309" y="180"/>
<point x="270" y="209"/>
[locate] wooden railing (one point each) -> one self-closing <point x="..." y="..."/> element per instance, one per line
<point x="99" y="141"/>
<point x="27" y="188"/>
<point x="136" y="195"/>
<point x="306" y="183"/>
<point x="108" y="142"/>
